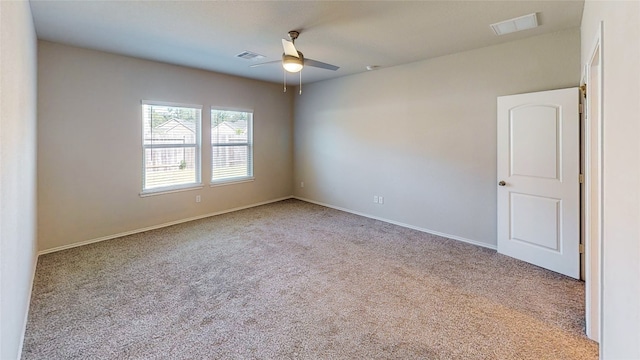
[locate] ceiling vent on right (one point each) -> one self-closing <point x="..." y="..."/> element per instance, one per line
<point x="525" y="22"/>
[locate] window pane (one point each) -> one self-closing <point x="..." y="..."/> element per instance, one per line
<point x="171" y="141"/>
<point x="170" y="167"/>
<point x="229" y="126"/>
<point x="231" y="145"/>
<point x="170" y="125"/>
<point x="231" y="162"/>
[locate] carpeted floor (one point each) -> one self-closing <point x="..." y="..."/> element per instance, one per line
<point x="293" y="280"/>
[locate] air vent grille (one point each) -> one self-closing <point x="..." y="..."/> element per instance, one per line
<point x="249" y="55"/>
<point x="517" y="24"/>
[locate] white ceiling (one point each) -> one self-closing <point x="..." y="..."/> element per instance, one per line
<point x="350" y="34"/>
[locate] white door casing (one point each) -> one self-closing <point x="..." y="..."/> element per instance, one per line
<point x="593" y="189"/>
<point x="538" y="169"/>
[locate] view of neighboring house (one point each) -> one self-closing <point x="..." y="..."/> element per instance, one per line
<point x="228" y="157"/>
<point x="174" y="132"/>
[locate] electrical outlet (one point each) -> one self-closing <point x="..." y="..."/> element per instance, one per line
<point x="375" y="199"/>
<point x="380" y="200"/>
<point x="301" y="184"/>
<point x="198" y="198"/>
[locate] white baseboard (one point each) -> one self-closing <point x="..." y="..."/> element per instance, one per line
<point x="26" y="314"/>
<point x="428" y="231"/>
<point x="126" y="233"/>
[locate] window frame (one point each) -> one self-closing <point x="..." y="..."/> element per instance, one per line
<point x="249" y="144"/>
<point x="197" y="184"/>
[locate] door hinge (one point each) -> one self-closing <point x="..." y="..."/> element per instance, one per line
<point x="581" y="178"/>
<point x="583" y="90"/>
<point x="581" y="248"/>
<point x="580" y="108"/>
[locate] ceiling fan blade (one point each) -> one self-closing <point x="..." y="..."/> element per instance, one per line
<point x="266" y="63"/>
<point x="320" y="64"/>
<point x="289" y="48"/>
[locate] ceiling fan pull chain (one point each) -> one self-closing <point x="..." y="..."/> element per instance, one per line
<point x="284" y="74"/>
<point x="300" y="93"/>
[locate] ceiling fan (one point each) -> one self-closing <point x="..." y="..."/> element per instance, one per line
<point x="293" y="60"/>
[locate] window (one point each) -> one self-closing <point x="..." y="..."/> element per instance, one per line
<point x="171" y="142"/>
<point x="231" y="145"/>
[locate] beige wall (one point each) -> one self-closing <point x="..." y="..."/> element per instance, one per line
<point x="17" y="171"/>
<point x="89" y="143"/>
<point x="422" y="135"/>
<point x="621" y="120"/>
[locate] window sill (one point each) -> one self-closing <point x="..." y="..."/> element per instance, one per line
<point x="232" y="181"/>
<point x="170" y="190"/>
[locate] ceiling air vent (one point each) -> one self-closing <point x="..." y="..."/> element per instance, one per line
<point x="517" y="24"/>
<point x="248" y="55"/>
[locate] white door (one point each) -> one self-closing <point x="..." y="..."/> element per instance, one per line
<point x="538" y="184"/>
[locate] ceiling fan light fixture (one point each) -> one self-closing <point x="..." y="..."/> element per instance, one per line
<point x="291" y="63"/>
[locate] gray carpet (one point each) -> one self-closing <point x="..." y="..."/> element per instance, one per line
<point x="293" y="280"/>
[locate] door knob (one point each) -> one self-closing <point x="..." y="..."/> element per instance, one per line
<point x="502" y="183"/>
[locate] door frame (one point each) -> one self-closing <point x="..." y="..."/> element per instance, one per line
<point x="593" y="77"/>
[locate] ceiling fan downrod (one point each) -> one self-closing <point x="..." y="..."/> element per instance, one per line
<point x="293" y="35"/>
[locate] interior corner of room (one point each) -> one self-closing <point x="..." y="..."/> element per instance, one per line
<point x="413" y="145"/>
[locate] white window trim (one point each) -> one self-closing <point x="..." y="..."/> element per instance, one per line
<point x="248" y="144"/>
<point x="198" y="153"/>
<point x="232" y="181"/>
<point x="171" y="189"/>
<point x="230" y="108"/>
<point x="168" y="103"/>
